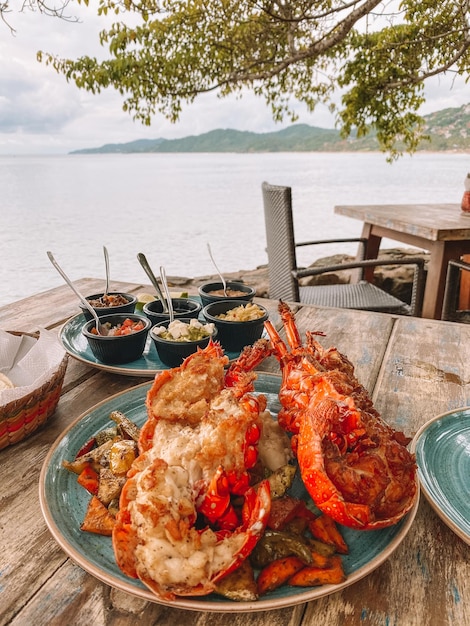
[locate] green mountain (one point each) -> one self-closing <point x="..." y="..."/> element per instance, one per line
<point x="448" y="129"/>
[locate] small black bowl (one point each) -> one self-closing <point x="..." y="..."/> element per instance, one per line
<point x="110" y="310"/>
<point x="242" y="292"/>
<point x="173" y="353"/>
<point x="117" y="349"/>
<point x="182" y="307"/>
<point x="234" y="335"/>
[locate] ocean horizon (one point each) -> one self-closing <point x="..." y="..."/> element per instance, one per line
<point x="169" y="206"/>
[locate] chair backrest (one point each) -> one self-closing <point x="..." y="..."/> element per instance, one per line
<point x="280" y="240"/>
<point x="451" y="307"/>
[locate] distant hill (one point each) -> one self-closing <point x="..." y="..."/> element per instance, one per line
<point x="448" y="129"/>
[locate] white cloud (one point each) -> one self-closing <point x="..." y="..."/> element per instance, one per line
<point x="41" y="113"/>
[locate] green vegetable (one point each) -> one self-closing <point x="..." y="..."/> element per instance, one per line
<point x="275" y="544"/>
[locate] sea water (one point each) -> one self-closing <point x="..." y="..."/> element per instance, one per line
<point x="170" y="206"/>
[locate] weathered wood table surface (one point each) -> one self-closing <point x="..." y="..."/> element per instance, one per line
<point x="443" y="229"/>
<point x="414" y="369"/>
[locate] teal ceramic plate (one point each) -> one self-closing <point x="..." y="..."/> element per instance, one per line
<point x="76" y="345"/>
<point x="442" y="448"/>
<point x="63" y="504"/>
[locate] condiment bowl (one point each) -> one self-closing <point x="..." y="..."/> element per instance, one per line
<point x="235" y="335"/>
<point x="235" y="291"/>
<point x="182" y="307"/>
<point x="173" y="352"/>
<point x="127" y="307"/>
<point x="117" y="349"/>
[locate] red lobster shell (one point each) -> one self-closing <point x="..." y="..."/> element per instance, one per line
<point x="356" y="468"/>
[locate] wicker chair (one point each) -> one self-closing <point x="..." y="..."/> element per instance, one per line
<point x="450" y="307"/>
<point x="284" y="274"/>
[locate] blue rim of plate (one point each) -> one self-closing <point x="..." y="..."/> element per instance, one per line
<point x="63" y="504"/>
<point x="442" y="448"/>
<point x="73" y="342"/>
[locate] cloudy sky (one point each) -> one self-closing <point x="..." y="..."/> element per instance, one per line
<point x="40" y="113"/>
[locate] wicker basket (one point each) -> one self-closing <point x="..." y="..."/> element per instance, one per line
<point x="20" y="418"/>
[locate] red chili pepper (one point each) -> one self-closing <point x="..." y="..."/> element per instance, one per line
<point x="87" y="447"/>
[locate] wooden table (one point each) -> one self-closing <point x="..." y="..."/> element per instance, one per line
<point x="414" y="369"/>
<point x="440" y="228"/>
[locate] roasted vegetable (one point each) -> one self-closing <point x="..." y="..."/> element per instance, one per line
<point x="110" y="485"/>
<point x="311" y="576"/>
<point x="102" y="471"/>
<point x="276" y="544"/>
<point x="126" y="426"/>
<point x="240" y="585"/>
<point x="108" y="434"/>
<point x="96" y="458"/>
<point x="113" y="507"/>
<point x="286" y="509"/>
<point x="121" y="456"/>
<point x="87" y="447"/>
<point x="277" y="573"/>
<point x="326" y="549"/>
<point x="98" y="519"/>
<point x="281" y="480"/>
<point x="325" y="529"/>
<point x="88" y="479"/>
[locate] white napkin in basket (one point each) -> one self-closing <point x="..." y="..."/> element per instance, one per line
<point x="28" y="362"/>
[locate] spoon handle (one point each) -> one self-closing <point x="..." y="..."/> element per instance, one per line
<point x="106" y="263"/>
<point x="167" y="292"/>
<point x="218" y="271"/>
<point x="148" y="270"/>
<point x="83" y="300"/>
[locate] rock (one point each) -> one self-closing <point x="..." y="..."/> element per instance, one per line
<point x="395" y="279"/>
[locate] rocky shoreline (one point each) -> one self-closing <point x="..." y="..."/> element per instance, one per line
<point x="394" y="279"/>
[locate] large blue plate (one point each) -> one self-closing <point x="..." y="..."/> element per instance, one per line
<point x="442" y="448"/>
<point x="63" y="504"/>
<point x="76" y="345"/>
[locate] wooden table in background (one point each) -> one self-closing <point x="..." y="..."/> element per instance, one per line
<point x="414" y="369"/>
<point x="442" y="229"/>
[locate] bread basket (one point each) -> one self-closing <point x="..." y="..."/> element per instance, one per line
<point x="21" y="417"/>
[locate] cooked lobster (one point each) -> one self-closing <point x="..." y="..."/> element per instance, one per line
<point x="356" y="468"/>
<point x="177" y="529"/>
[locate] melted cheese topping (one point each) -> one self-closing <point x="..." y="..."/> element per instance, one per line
<point x="274" y="447"/>
<point x="170" y="551"/>
<point x="199" y="426"/>
<point x="217" y="439"/>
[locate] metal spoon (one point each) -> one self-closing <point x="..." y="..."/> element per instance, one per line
<point x="167" y="293"/>
<point x="218" y="271"/>
<point x="84" y="301"/>
<point x="106" y="263"/>
<point x="148" y="270"/>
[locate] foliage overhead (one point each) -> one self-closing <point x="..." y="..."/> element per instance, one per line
<point x="377" y="54"/>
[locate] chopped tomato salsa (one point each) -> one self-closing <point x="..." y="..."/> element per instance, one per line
<point x="127" y="327"/>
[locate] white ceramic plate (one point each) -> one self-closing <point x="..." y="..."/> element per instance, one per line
<point x="442" y="448"/>
<point x="63" y="504"/>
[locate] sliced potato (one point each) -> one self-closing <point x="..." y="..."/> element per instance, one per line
<point x="128" y="428"/>
<point x="240" y="585"/>
<point x="98" y="519"/>
<point x="281" y="479"/>
<point x="110" y="486"/>
<point x="93" y="458"/>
